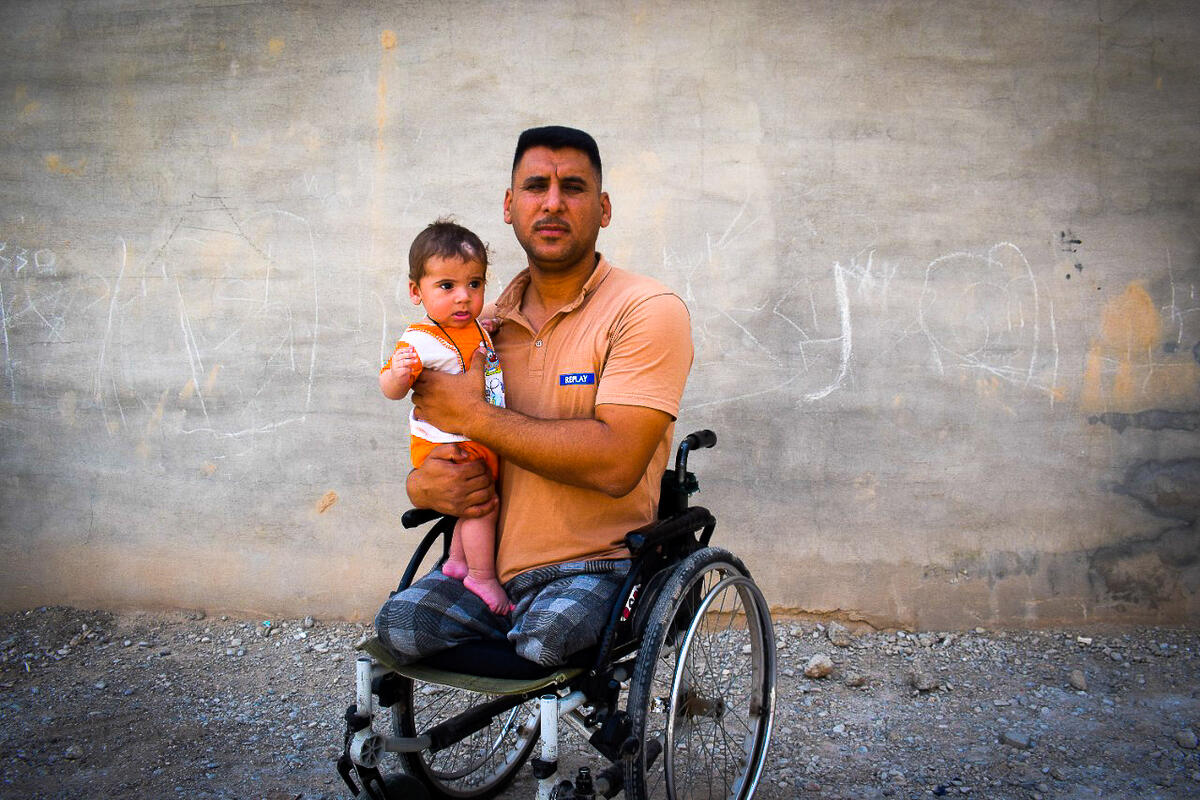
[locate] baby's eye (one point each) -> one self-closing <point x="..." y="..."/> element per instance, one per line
<point x="445" y="286"/>
<point x="475" y="284"/>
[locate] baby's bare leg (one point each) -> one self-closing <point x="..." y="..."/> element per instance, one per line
<point x="455" y="565"/>
<point x="478" y="537"/>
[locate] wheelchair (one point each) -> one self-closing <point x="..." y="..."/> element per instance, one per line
<point x="678" y="697"/>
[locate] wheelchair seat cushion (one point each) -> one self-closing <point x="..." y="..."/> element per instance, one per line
<point x="487" y="667"/>
<point x="499" y="660"/>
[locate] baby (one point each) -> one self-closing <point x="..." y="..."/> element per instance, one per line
<point x="447" y="270"/>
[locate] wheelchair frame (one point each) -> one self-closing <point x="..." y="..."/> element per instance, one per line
<point x="680" y="596"/>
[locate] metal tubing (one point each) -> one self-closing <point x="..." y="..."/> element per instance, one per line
<point x="549" y="711"/>
<point x="406" y="744"/>
<point x="362" y="675"/>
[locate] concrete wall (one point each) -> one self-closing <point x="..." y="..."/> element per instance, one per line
<point x="942" y="261"/>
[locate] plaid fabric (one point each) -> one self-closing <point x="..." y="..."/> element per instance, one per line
<point x="562" y="609"/>
<point x="559" y="610"/>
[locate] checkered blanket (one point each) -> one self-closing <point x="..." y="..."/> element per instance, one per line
<point x="560" y="610"/>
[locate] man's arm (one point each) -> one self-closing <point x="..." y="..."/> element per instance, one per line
<point x="607" y="454"/>
<point x="640" y="385"/>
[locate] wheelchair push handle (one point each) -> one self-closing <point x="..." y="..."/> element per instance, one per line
<point x="693" y="441"/>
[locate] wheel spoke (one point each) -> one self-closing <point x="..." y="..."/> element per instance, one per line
<point x="480" y="764"/>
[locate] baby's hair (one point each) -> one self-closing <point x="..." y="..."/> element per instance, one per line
<point x="444" y="238"/>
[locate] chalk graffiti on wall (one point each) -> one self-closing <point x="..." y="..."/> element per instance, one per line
<point x="201" y="338"/>
<point x="783" y="340"/>
<point x="37" y="304"/>
<point x="985" y="313"/>
<point x="1183" y="310"/>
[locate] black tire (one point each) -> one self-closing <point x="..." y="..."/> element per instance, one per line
<point x="400" y="787"/>
<point x="480" y="766"/>
<point x="702" y="696"/>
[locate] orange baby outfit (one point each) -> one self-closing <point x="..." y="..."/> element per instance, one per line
<point x="450" y="350"/>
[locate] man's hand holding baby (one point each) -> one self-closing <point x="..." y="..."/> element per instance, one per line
<point x="453" y="403"/>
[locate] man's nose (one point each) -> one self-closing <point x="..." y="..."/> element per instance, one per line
<point x="553" y="197"/>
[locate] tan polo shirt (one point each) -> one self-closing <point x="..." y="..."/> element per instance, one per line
<point x="625" y="340"/>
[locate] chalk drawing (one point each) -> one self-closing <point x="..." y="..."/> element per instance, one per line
<point x="384" y="349"/>
<point x="220" y="333"/>
<point x="8" y="365"/>
<point x="983" y="312"/>
<point x="37" y="303"/>
<point x="114" y="293"/>
<point x="1183" y="305"/>
<point x="750" y="351"/>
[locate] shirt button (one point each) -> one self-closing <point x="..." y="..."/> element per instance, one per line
<point x="538" y="343"/>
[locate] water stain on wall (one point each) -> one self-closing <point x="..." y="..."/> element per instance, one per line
<point x="1128" y="369"/>
<point x="1155" y="419"/>
<point x="1161" y="568"/>
<point x="54" y="163"/>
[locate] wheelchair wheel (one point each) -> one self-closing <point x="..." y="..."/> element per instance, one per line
<point x="702" y="696"/>
<point x="479" y="766"/>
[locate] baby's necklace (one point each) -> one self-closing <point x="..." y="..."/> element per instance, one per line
<point x="483" y="339"/>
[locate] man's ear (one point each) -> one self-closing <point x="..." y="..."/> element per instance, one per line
<point x="508" y="196"/>
<point x="605" y="210"/>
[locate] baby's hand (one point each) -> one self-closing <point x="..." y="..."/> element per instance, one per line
<point x="404" y="362"/>
<point x="491" y="324"/>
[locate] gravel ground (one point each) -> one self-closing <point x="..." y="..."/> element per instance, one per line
<point x="96" y="704"/>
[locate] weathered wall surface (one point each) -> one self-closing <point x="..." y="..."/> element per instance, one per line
<point x="942" y="262"/>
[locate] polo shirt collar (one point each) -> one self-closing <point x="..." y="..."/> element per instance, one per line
<point x="509" y="302"/>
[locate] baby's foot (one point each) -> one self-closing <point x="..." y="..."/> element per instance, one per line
<point x="455" y="568"/>
<point x="491" y="592"/>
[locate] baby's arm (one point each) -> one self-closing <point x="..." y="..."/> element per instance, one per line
<point x="398" y="375"/>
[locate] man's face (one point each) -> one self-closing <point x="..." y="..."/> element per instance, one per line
<point x="556" y="207"/>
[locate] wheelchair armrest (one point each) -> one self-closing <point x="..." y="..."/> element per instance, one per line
<point x="442" y="529"/>
<point x="660" y="531"/>
<point x="416" y="517"/>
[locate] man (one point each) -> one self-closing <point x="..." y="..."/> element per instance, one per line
<point x="595" y="360"/>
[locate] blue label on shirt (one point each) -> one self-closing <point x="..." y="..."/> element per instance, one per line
<point x="577" y="379"/>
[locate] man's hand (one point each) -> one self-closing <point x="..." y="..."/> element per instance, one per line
<point x="451" y="402"/>
<point x="449" y="482"/>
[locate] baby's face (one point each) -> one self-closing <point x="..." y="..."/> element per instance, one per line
<point x="451" y="291"/>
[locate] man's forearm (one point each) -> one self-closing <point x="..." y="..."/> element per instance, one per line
<point x="607" y="454"/>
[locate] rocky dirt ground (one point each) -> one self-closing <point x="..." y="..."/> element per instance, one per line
<point x="96" y="704"/>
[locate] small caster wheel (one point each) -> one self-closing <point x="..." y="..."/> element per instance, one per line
<point x="404" y="787"/>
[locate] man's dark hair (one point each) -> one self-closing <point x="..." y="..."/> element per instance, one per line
<point x="557" y="137"/>
<point x="444" y="238"/>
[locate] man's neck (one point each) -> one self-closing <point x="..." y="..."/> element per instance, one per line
<point x="549" y="290"/>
